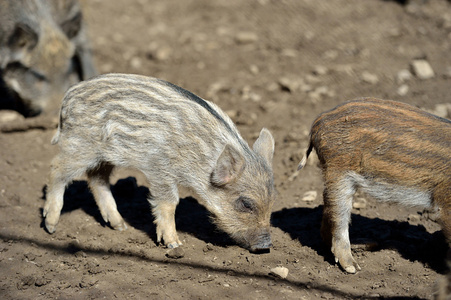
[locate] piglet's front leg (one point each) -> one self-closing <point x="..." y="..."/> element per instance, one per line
<point x="163" y="209"/>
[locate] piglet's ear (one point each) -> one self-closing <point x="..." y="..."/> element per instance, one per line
<point x="264" y="145"/>
<point x="229" y="166"/>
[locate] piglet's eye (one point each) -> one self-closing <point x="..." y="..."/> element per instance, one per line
<point x="245" y="204"/>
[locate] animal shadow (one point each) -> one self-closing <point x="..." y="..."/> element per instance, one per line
<point x="133" y="205"/>
<point x="412" y="242"/>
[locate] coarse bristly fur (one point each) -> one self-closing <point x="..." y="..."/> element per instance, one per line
<point x="390" y="150"/>
<point x="176" y="139"/>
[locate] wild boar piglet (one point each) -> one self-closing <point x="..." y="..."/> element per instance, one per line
<point x="175" y="139"/>
<point x="390" y="150"/>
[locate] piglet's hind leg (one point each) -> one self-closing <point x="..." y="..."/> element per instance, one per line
<point x="336" y="219"/>
<point x="98" y="180"/>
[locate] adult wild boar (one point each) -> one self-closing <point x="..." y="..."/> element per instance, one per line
<point x="43" y="51"/>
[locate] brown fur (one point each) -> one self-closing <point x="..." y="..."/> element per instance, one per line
<point x="393" y="151"/>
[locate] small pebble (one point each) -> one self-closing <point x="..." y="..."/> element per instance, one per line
<point x="175" y="253"/>
<point x="422" y="69"/>
<point x="280" y="272"/>
<point x="403" y="90"/>
<point x="208" y="247"/>
<point x="310" y="196"/>
<point x="320" y="70"/>
<point x="369" y="77"/>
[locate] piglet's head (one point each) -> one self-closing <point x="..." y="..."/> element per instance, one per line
<point x="245" y="185"/>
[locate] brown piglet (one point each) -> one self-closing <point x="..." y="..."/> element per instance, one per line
<point x="392" y="151"/>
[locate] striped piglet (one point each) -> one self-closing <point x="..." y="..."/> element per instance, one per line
<point x="390" y="150"/>
<point x="175" y="139"/>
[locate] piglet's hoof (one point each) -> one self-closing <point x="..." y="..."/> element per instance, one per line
<point x="119" y="227"/>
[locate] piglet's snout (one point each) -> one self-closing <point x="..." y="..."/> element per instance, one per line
<point x="262" y="243"/>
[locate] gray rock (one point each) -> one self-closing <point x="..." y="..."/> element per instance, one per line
<point x="369" y="77"/>
<point x="422" y="69"/>
<point x="280" y="272"/>
<point x="403" y="90"/>
<point x="175" y="253"/>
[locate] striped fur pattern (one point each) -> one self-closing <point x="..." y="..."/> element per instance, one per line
<point x="176" y="139"/>
<point x="390" y="150"/>
<point x="43" y="51"/>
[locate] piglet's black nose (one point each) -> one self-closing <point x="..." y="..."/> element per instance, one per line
<point x="263" y="245"/>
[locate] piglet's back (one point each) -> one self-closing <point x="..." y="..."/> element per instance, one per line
<point x="385" y="139"/>
<point x="148" y="116"/>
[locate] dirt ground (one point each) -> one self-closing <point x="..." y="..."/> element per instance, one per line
<point x="267" y="63"/>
